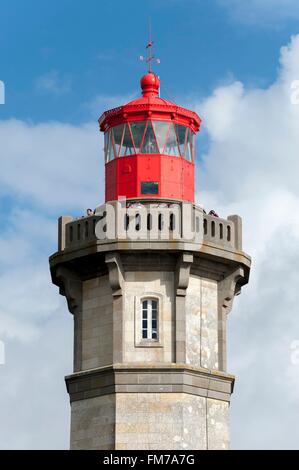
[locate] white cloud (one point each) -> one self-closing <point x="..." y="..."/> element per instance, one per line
<point x="262" y="12"/>
<point x="251" y="168"/>
<point x="52" y="82"/>
<point x="52" y="165"/>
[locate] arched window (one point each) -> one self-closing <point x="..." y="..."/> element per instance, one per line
<point x="149" y="319"/>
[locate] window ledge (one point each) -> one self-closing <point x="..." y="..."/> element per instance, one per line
<point x="147" y="343"/>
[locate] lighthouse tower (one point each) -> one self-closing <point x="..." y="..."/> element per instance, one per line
<point x="150" y="279"/>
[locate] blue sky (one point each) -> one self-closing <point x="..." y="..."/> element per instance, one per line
<point x="57" y="56"/>
<point x="63" y="63"/>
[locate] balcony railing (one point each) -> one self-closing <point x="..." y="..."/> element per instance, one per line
<point x="174" y="222"/>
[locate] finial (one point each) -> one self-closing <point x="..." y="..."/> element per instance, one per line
<point x="149" y="48"/>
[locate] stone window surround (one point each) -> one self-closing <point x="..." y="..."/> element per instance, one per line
<point x="139" y="341"/>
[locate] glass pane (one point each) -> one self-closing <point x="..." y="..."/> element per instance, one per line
<point x="181" y="133"/>
<point x="144" y="304"/>
<point x="171" y="147"/>
<point x="144" y="324"/>
<point x="106" y="137"/>
<point x="154" y="335"/>
<point x="161" y="129"/>
<point x="110" y="151"/>
<point x="137" y="129"/>
<point x="189" y="150"/>
<point x="149" y="142"/>
<point x="154" y="304"/>
<point x="144" y="334"/>
<point x="117" y="134"/>
<point x="154" y="324"/>
<point x="127" y="147"/>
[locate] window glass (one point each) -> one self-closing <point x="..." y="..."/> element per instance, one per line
<point x="110" y="146"/>
<point x="181" y="133"/>
<point x="149" y="187"/>
<point x="137" y="129"/>
<point x="106" y="137"/>
<point x="171" y="146"/>
<point x="117" y="134"/>
<point x="144" y="319"/>
<point x="149" y="142"/>
<point x="149" y="322"/>
<point x="154" y="320"/>
<point x="161" y="129"/>
<point x="127" y="147"/>
<point x="189" y="146"/>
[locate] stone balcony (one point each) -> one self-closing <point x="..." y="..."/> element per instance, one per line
<point x="147" y="225"/>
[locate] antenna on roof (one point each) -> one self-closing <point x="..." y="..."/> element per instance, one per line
<point x="149" y="48"/>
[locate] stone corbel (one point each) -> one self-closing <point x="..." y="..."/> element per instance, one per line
<point x="228" y="288"/>
<point x="115" y="270"/>
<point x="183" y="273"/>
<point x="71" y="288"/>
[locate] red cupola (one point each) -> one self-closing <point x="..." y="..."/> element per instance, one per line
<point x="149" y="147"/>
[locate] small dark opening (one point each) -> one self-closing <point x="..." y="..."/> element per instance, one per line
<point x="213" y="228"/>
<point x="205" y="226"/>
<point x="221" y="231"/>
<point x="171" y="222"/>
<point x="160" y="222"/>
<point x="149" y="221"/>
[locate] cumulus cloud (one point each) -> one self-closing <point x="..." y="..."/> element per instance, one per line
<point x="52" y="165"/>
<point x="262" y="12"/>
<point x="251" y="168"/>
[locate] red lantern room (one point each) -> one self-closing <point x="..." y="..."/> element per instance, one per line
<point x="149" y="147"/>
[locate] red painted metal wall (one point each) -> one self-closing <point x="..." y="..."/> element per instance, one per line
<point x="175" y="177"/>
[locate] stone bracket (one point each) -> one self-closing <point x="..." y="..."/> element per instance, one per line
<point x="70" y="287"/>
<point x="228" y="288"/>
<point x="183" y="273"/>
<point x="115" y="270"/>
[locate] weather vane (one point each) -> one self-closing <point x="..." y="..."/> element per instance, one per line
<point x="149" y="48"/>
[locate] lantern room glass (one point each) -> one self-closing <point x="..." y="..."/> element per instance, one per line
<point x="149" y="137"/>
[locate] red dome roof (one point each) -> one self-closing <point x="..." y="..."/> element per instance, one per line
<point x="150" y="105"/>
<point x="150" y="84"/>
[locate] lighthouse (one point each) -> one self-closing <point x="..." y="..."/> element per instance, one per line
<point x="150" y="279"/>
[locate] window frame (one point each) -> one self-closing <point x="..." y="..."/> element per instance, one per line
<point x="149" y="329"/>
<point x="149" y="341"/>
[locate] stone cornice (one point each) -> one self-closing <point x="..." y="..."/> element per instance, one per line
<point x="150" y="378"/>
<point x="208" y="251"/>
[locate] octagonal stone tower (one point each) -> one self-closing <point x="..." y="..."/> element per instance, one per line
<point x="150" y="280"/>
